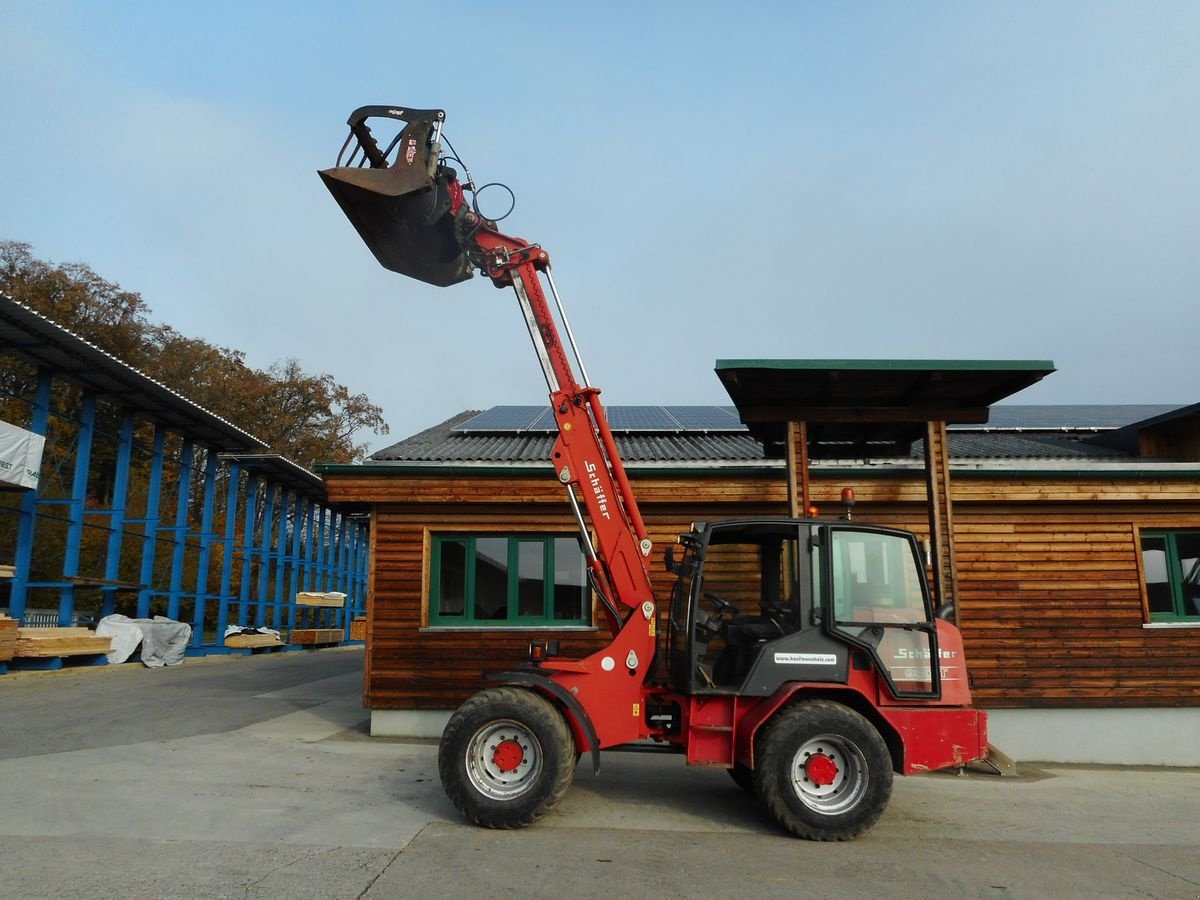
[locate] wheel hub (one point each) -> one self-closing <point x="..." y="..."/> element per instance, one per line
<point x="503" y="759"/>
<point x="508" y="755"/>
<point x="829" y="774"/>
<point x="821" y="770"/>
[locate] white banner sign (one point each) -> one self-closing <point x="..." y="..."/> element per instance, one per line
<point x="20" y="456"/>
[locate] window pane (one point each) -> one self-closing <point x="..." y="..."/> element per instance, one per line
<point x="570" y="581"/>
<point x="452" y="578"/>
<point x="875" y="579"/>
<point x="733" y="571"/>
<point x="491" y="578"/>
<point x="531" y="587"/>
<point x="1187" y="546"/>
<point x="1158" y="585"/>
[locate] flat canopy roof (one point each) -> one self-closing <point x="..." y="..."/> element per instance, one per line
<point x="878" y="407"/>
<point x="281" y="470"/>
<point x="28" y="335"/>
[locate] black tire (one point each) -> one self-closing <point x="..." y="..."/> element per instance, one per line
<point x="506" y="758"/>
<point x="823" y="772"/>
<point x="743" y="777"/>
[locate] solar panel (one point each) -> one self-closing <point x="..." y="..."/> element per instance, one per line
<point x="504" y="418"/>
<point x="1068" y="416"/>
<point x="643" y="419"/>
<point x="544" y="422"/>
<point x="707" y="418"/>
<point x="640" y="418"/>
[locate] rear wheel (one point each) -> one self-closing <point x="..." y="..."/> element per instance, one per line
<point x="823" y="771"/>
<point x="506" y="758"/>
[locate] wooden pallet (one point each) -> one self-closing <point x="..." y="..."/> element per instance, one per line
<point x="310" y="636"/>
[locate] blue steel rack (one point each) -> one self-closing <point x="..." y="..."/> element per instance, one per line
<point x="217" y="508"/>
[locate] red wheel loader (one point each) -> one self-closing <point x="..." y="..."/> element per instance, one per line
<point x="803" y="655"/>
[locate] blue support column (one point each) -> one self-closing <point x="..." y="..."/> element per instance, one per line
<point x="231" y="509"/>
<point x="352" y="592"/>
<point x="75" y="507"/>
<point x="322" y="554"/>
<point x="351" y="573"/>
<point x="310" y="530"/>
<point x="324" y="545"/>
<point x="27" y="522"/>
<point x="263" y="591"/>
<point x="179" y="531"/>
<point x="150" y="528"/>
<point x="116" y="518"/>
<point x="298" y="518"/>
<point x="363" y="566"/>
<point x="248" y="548"/>
<point x="281" y="542"/>
<point x="206" y="539"/>
<point x="343" y="561"/>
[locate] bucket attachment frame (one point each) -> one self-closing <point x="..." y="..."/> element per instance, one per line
<point x="360" y="133"/>
<point x="400" y="198"/>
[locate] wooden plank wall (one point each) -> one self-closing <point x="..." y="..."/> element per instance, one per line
<point x="1053" y="611"/>
<point x="1050" y="587"/>
<point x="1050" y="590"/>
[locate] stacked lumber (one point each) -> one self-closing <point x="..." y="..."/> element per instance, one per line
<point x="42" y="643"/>
<point x="332" y="599"/>
<point x="252" y="641"/>
<point x="316" y="635"/>
<point x="8" y="638"/>
<point x="358" y="629"/>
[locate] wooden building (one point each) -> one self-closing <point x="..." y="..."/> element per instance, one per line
<point x="1073" y="550"/>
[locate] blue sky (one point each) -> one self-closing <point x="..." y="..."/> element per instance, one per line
<point x="713" y="180"/>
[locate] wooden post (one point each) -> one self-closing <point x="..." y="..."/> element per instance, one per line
<point x="799" y="493"/>
<point x="941" y="514"/>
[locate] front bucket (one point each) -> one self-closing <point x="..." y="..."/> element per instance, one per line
<point x="404" y="218"/>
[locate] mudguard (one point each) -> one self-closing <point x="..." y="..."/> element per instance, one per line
<point x="540" y="682"/>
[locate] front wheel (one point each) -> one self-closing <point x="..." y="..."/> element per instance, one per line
<point x="823" y="771"/>
<point x="506" y="758"/>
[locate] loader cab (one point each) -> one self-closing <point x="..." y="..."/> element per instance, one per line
<point x="760" y="603"/>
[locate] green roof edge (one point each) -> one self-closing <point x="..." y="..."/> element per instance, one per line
<point x="902" y="365"/>
<point x="874" y="470"/>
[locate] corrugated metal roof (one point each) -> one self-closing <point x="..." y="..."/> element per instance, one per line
<point x="27" y="334"/>
<point x="448" y="444"/>
<point x="999" y="445"/>
<point x="445" y="443"/>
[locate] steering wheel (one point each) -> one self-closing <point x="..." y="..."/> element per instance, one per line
<point x="776" y="615"/>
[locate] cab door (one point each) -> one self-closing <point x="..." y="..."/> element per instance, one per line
<point x="875" y="597"/>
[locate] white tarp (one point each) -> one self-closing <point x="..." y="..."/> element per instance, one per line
<point x="164" y="641"/>
<point x="20" y="456"/>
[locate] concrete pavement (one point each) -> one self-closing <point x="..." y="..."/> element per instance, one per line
<point x="270" y="788"/>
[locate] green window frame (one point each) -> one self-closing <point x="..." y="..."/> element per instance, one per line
<point x="506" y="581"/>
<point x="1171" y="572"/>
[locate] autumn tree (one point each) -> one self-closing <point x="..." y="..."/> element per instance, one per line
<point x="307" y="418"/>
<point x="75" y="297"/>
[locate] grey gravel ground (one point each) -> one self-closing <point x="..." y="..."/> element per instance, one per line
<point x="254" y="777"/>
